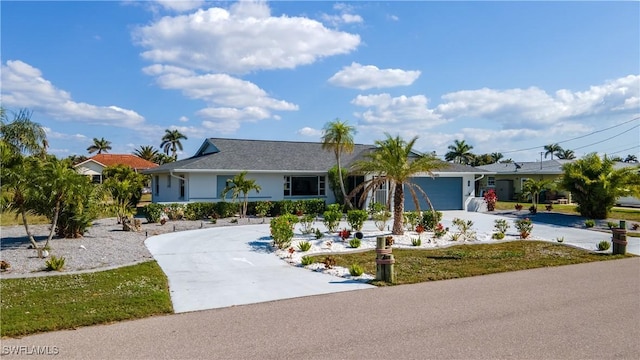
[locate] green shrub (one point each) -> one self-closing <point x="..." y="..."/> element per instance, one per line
<point x="55" y="263"/>
<point x="497" y="236"/>
<point x="282" y="230"/>
<point x="199" y="210"/>
<point x="464" y="228"/>
<point x="430" y="220"/>
<point x="307" y="223"/>
<point x="589" y="223"/>
<point x="153" y="212"/>
<point x="356" y="270"/>
<point x="603" y="245"/>
<point x="612" y="225"/>
<point x="354" y="243"/>
<point x="524" y="226"/>
<point x="304" y="246"/>
<point x="282" y="207"/>
<point x="332" y="217"/>
<point x="314" y="206"/>
<point x="306" y="260"/>
<point x="263" y="208"/>
<point x="226" y="209"/>
<point x="411" y="219"/>
<point x="356" y="218"/>
<point x="381" y="218"/>
<point x="319" y="234"/>
<point x="174" y="211"/>
<point x="416" y="241"/>
<point x="501" y="226"/>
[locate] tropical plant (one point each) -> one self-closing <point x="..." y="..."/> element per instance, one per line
<point x="304" y="246"/>
<point x="171" y="142"/>
<point x="124" y="185"/>
<point x="524" y="226"/>
<point x="282" y="230"/>
<point x="337" y="136"/>
<point x="412" y="219"/>
<point x="240" y="185"/>
<point x="356" y="218"/>
<point x="21" y="135"/>
<point x="334" y="182"/>
<point x="631" y="159"/>
<point x="356" y="270"/>
<point x="459" y="152"/>
<point x="306" y="260"/>
<point x="55" y="263"/>
<point x="394" y="161"/>
<point x="491" y="199"/>
<point x="589" y="223"/>
<point x="380" y="219"/>
<point x="464" y="228"/>
<point x="263" y="208"/>
<point x="332" y="216"/>
<point x="595" y="184"/>
<point x="306" y="221"/>
<point x="496" y="157"/>
<point x="552" y="149"/>
<point x="430" y="219"/>
<point x="416" y="241"/>
<point x="439" y="231"/>
<point x="354" y="243"/>
<point x="501" y="226"/>
<point x="604" y="245"/>
<point x="565" y="154"/>
<point x="100" y="145"/>
<point x="147" y="152"/>
<point x="533" y="188"/>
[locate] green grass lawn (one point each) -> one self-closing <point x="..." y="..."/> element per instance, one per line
<point x="618" y="213"/>
<point x="31" y="305"/>
<point x="414" y="266"/>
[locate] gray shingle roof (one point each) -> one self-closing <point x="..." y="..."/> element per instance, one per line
<point x="535" y="167"/>
<point x="266" y="155"/>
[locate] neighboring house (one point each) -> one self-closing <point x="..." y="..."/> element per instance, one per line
<point x="94" y="165"/>
<point x="289" y="170"/>
<point x="508" y="178"/>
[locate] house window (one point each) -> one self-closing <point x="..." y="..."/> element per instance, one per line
<point x="182" y="188"/>
<point x="491" y="181"/>
<point x="168" y="181"/>
<point x="304" y="186"/>
<point x="157" y="183"/>
<point x="96" y="179"/>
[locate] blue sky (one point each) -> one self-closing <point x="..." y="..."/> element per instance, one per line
<point x="503" y="76"/>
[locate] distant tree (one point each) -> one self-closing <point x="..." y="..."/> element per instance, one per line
<point x="147" y="152"/>
<point x="171" y="142"/>
<point x="551" y="149"/>
<point x="23" y="136"/>
<point x="163" y="159"/>
<point x="459" y="152"/>
<point x="76" y="159"/>
<point x="100" y="146"/>
<point x="506" y="161"/>
<point x="533" y="188"/>
<point x="337" y="136"/>
<point x="484" y="159"/>
<point x="496" y="156"/>
<point x="631" y="159"/>
<point x="240" y="185"/>
<point x="334" y="182"/>
<point x="125" y="187"/>
<point x="566" y="154"/>
<point x="596" y="185"/>
<point x="616" y="158"/>
<point x="394" y="161"/>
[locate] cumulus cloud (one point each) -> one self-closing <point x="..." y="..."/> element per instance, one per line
<point x="363" y="77"/>
<point x="180" y="5"/>
<point x="310" y="132"/>
<point x="231" y="100"/>
<point x="24" y="86"/>
<point x="240" y="40"/>
<point x="535" y="108"/>
<point x="403" y="111"/>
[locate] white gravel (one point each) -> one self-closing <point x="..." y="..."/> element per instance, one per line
<point x="105" y="245"/>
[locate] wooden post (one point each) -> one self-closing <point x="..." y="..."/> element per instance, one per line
<point x="619" y="240"/>
<point x="384" y="261"/>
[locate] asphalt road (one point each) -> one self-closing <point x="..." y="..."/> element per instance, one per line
<point x="586" y="311"/>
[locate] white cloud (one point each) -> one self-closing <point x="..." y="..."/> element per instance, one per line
<point x="393" y="17"/>
<point x="180" y="5"/>
<point x="535" y="108"/>
<point x="24" y="86"/>
<point x="365" y="77"/>
<point x="310" y="132"/>
<point x="401" y="111"/>
<point x="230" y="100"/>
<point x="57" y="135"/>
<point x="183" y="119"/>
<point x="242" y="39"/>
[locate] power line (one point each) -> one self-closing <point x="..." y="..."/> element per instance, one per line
<point x="609" y="138"/>
<point x="578" y="137"/>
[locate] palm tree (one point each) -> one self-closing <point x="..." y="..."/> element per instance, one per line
<point x="566" y="154"/>
<point x="147" y="152"/>
<point x="533" y="188"/>
<point x="552" y="149"/>
<point x="240" y="185"/>
<point x="496" y="157"/>
<point x="394" y="161"/>
<point x="631" y="159"/>
<point x="459" y="152"/>
<point x="23" y="135"/>
<point x="171" y="142"/>
<point x="100" y="146"/>
<point x="337" y="136"/>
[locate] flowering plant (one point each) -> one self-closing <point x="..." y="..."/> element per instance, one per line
<point x="344" y="234"/>
<point x="491" y="198"/>
<point x="524" y="226"/>
<point x="439" y="231"/>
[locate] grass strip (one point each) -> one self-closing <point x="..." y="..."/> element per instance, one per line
<point x="38" y="304"/>
<point x="420" y="265"/>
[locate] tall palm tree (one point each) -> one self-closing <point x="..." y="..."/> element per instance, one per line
<point x="146" y="152"/>
<point x="533" y="188"/>
<point x="566" y="154"/>
<point x="240" y="185"/>
<point x="551" y="149"/>
<point x="459" y="152"/>
<point x="337" y="136"/>
<point x="23" y="135"/>
<point x="100" y="146"/>
<point x="496" y="157"/>
<point x="394" y="161"/>
<point x="171" y="142"/>
<point x="631" y="159"/>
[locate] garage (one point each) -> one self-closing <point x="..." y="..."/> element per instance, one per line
<point x="445" y="193"/>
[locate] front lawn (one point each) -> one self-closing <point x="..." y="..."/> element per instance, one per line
<point x="617" y="213"/>
<point x="414" y="266"/>
<point x="37" y="304"/>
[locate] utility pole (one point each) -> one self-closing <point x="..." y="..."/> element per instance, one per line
<point x="541" y="153"/>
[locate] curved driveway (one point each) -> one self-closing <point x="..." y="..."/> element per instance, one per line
<point x="227" y="266"/>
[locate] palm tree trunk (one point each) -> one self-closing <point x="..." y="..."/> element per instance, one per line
<point x="344" y="193"/>
<point x="23" y="212"/>
<point x="54" y="223"/>
<point x="398" y="209"/>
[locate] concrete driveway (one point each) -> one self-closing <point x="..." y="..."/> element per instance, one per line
<point x="227" y="266"/>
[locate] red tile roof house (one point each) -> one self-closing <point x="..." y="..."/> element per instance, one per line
<point x="291" y="170"/>
<point x="93" y="166"/>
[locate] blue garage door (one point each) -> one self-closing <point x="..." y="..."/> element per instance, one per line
<point x="444" y="193"/>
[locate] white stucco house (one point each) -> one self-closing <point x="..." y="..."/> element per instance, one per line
<point x="291" y="170"/>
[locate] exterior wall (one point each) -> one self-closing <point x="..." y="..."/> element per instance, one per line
<point x="517" y="179"/>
